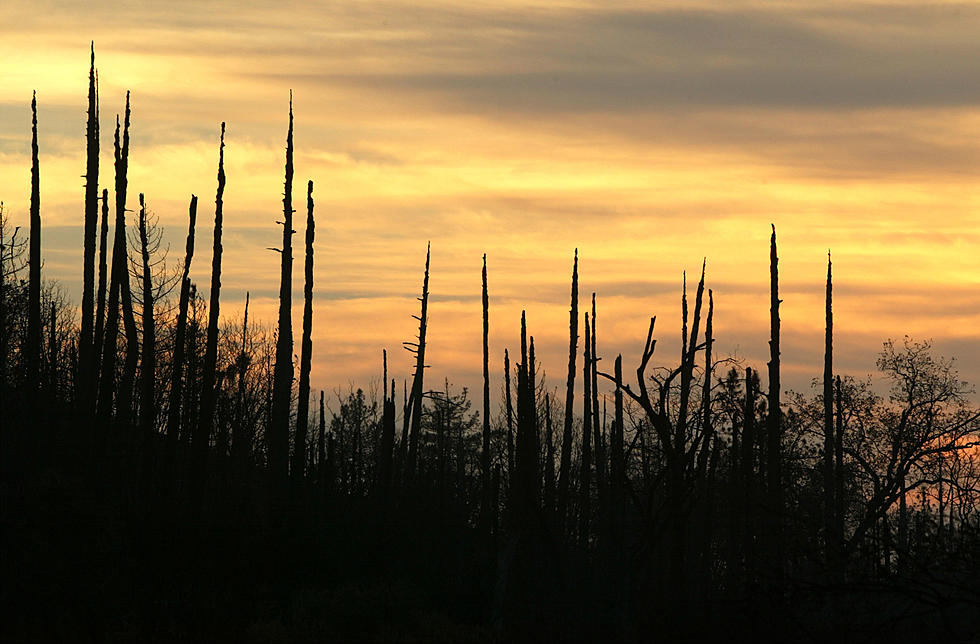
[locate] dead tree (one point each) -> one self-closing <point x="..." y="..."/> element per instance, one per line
<point x="200" y="438"/>
<point x="598" y="448"/>
<point x="283" y="374"/>
<point x="418" y="348"/>
<point x="829" y="505"/>
<point x="585" y="479"/>
<point x="774" y="417"/>
<point x="239" y="443"/>
<point x="306" y="350"/>
<point x="118" y="274"/>
<point x="565" y="467"/>
<point x="486" y="493"/>
<point x="387" y="446"/>
<point x="510" y="422"/>
<point x="34" y="264"/>
<point x="100" y="305"/>
<point x="549" y="458"/>
<point x="148" y="363"/>
<point x="86" y="344"/>
<point x="180" y="338"/>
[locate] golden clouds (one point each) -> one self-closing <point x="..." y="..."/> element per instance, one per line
<point x="646" y="137"/>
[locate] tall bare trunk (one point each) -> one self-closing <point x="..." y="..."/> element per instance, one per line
<point x="239" y="442"/>
<point x="306" y="351"/>
<point x="774" y="418"/>
<point x="180" y="338"/>
<point x="565" y="467"/>
<point x="34" y="259"/>
<point x="417" y="381"/>
<point x="486" y="493"/>
<point x="510" y="424"/>
<point x="598" y="447"/>
<point x="118" y="274"/>
<point x="205" y="422"/>
<point x="148" y="412"/>
<point x="283" y="378"/>
<point x="100" y="306"/>
<point x="829" y="506"/>
<point x="86" y="345"/>
<point x="585" y="479"/>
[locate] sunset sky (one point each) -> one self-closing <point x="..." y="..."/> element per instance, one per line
<point x="648" y="135"/>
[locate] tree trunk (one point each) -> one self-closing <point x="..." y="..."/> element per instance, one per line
<point x="34" y="262"/>
<point x="100" y="306"/>
<point x="180" y="340"/>
<point x="829" y="504"/>
<point x="306" y="351"/>
<point x="585" y="480"/>
<point x="417" y="381"/>
<point x="565" y="467"/>
<point x="486" y="493"/>
<point x="86" y="345"/>
<point x="283" y="379"/>
<point x="118" y="273"/>
<point x="774" y="419"/>
<point x="205" y="422"/>
<point x="148" y="413"/>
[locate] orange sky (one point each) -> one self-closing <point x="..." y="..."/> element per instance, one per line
<point x="648" y="135"/>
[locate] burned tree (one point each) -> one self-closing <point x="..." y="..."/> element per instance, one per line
<point x="415" y="400"/>
<point x="86" y="343"/>
<point x="303" y="403"/>
<point x="180" y="336"/>
<point x="283" y="375"/>
<point x="33" y="361"/>
<point x="200" y="438"/>
<point x="564" y="470"/>
<point x="119" y="273"/>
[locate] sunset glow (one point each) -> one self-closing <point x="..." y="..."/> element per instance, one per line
<point x="647" y="135"/>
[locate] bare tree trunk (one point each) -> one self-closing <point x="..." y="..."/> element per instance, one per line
<point x="585" y="480"/>
<point x="86" y="345"/>
<point x="118" y="274"/>
<point x="748" y="478"/>
<point x="239" y="443"/>
<point x="100" y="307"/>
<point x="487" y="495"/>
<point x="549" y="459"/>
<point x="830" y="545"/>
<point x="599" y="450"/>
<point x="417" y="381"/>
<point x="774" y="418"/>
<point x="707" y="430"/>
<point x="180" y="340"/>
<point x="34" y="258"/>
<point x="148" y="412"/>
<point x="306" y="351"/>
<point x="839" y="471"/>
<point x="387" y="438"/>
<point x="510" y="426"/>
<point x="282" y="381"/>
<point x="202" y="434"/>
<point x="565" y="467"/>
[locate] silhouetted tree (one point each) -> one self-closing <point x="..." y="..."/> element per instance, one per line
<point x="86" y="343"/>
<point x="565" y="467"/>
<point x="278" y="437"/>
<point x="202" y="432"/>
<point x="418" y="348"/>
<point x="33" y="361"/>
<point x="303" y="402"/>
<point x="180" y="338"/>
<point x="118" y="274"/>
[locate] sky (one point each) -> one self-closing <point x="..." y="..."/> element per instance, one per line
<point x="650" y="136"/>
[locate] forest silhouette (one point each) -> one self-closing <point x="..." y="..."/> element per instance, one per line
<point x="170" y="474"/>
